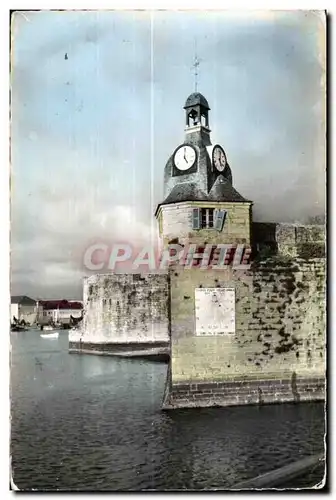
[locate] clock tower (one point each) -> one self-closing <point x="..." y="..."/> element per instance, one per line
<point x="200" y="203"/>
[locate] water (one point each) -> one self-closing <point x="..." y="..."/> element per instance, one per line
<point x="83" y="422"/>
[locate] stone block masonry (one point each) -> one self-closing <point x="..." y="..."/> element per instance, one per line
<point x="124" y="314"/>
<point x="176" y="220"/>
<point x="243" y="392"/>
<point x="277" y="349"/>
<point x="291" y="240"/>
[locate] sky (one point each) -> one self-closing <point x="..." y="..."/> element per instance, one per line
<point x="97" y="109"/>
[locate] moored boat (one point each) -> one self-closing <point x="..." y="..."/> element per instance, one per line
<point x="53" y="335"/>
<point x="18" y="328"/>
<point x="47" y="327"/>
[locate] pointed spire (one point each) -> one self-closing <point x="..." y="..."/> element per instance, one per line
<point x="197" y="62"/>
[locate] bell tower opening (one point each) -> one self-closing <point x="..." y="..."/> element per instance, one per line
<point x="197" y="120"/>
<point x="192" y="119"/>
<point x="197" y="111"/>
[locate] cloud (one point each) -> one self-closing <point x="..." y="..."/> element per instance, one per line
<point x="52" y="228"/>
<point x="91" y="134"/>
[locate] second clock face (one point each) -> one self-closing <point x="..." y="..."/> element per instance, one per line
<point x="184" y="157"/>
<point x="218" y="158"/>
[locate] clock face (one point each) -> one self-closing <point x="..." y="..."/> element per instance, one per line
<point x="218" y="158"/>
<point x="184" y="157"/>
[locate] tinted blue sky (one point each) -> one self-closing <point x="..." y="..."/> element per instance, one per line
<point x="91" y="132"/>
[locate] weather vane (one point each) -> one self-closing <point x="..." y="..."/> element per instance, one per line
<point x="195" y="66"/>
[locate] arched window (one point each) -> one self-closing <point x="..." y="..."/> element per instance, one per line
<point x="192" y="118"/>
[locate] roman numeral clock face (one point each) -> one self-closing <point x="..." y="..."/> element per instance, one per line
<point x="185" y="157"/>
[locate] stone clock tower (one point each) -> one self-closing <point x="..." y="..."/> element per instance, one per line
<point x="200" y="203"/>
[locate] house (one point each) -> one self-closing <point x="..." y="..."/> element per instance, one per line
<point x="23" y="308"/>
<point x="58" y="311"/>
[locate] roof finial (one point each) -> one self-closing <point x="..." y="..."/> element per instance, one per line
<point x="195" y="66"/>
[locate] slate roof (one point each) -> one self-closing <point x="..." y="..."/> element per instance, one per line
<point x="195" y="99"/>
<point x="23" y="300"/>
<point x="59" y="304"/>
<point x="185" y="192"/>
<point x="222" y="190"/>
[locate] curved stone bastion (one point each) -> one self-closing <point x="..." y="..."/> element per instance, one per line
<point x="124" y="315"/>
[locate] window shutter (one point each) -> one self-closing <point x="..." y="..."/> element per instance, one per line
<point x="196" y="222"/>
<point x="220" y="219"/>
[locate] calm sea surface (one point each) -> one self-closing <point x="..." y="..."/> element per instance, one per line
<point x="83" y="422"/>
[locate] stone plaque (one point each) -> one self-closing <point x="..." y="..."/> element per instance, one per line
<point x="215" y="311"/>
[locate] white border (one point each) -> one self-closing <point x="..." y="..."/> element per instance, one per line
<point x="4" y="171"/>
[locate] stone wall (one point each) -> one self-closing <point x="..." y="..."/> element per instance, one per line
<point x="123" y="312"/>
<point x="277" y="352"/>
<point x="301" y="241"/>
<point x="292" y="240"/>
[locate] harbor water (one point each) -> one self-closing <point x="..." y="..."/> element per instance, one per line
<point x="94" y="423"/>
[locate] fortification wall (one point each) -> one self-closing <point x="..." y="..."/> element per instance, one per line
<point x="277" y="349"/>
<point x="292" y="240"/>
<point x="123" y="314"/>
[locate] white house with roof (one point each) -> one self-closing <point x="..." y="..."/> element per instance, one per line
<point x="61" y="312"/>
<point x="23" y="308"/>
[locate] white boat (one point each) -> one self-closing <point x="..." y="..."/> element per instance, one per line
<point x="53" y="335"/>
<point x="48" y="327"/>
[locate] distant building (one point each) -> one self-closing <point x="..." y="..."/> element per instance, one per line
<point x="23" y="308"/>
<point x="58" y="311"/>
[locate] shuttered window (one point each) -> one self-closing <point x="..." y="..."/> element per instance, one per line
<point x="220" y="219"/>
<point x="208" y="218"/>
